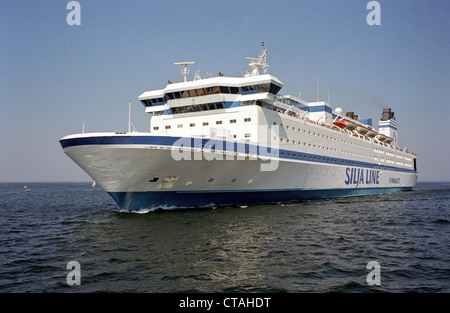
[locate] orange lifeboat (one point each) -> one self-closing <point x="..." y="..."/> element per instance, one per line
<point x="345" y="124"/>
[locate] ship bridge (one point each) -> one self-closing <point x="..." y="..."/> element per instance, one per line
<point x="214" y="93"/>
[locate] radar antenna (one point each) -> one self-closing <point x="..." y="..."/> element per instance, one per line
<point x="184" y="69"/>
<point x="258" y="64"/>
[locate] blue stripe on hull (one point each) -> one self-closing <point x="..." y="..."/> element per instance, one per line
<point x="135" y="201"/>
<point x="224" y="145"/>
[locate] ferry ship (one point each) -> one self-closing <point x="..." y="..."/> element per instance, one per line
<point x="224" y="141"/>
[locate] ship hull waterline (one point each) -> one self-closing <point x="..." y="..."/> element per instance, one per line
<point x="167" y="200"/>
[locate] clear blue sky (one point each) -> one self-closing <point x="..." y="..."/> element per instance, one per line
<point x="55" y="77"/>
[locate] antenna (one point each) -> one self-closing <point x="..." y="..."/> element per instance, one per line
<point x="197" y="75"/>
<point x="129" y="116"/>
<point x="328" y="92"/>
<point x="317" y="87"/>
<point x="184" y="69"/>
<point x="130" y="124"/>
<point x="258" y="64"/>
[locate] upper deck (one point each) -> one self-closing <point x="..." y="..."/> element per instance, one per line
<point x="195" y="99"/>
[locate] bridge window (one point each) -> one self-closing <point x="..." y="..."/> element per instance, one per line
<point x="274" y="89"/>
<point x="207" y="90"/>
<point x="263" y="87"/>
<point x="249" y="89"/>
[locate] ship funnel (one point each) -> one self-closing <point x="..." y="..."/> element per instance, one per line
<point x="388" y="126"/>
<point x="387" y="114"/>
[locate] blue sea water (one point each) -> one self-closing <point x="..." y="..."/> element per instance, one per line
<point x="312" y="246"/>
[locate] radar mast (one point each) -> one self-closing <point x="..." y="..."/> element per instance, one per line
<point x="184" y="69"/>
<point x="258" y="64"/>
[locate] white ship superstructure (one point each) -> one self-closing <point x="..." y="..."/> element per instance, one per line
<point x="235" y="140"/>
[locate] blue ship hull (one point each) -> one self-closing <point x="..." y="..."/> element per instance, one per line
<point x="135" y="201"/>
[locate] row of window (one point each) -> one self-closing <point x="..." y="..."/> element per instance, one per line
<point x="307" y="157"/>
<point x="272" y="88"/>
<point x="211" y="106"/>
<point x="232" y="121"/>
<point x="197" y="108"/>
<point x="346" y="142"/>
<point x="310" y="145"/>
<point x="155" y="101"/>
<point x="343" y="141"/>
<point x="294" y="142"/>
<point x="191" y="108"/>
<point x="325" y="159"/>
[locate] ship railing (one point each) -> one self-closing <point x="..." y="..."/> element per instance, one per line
<point x="293" y="106"/>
